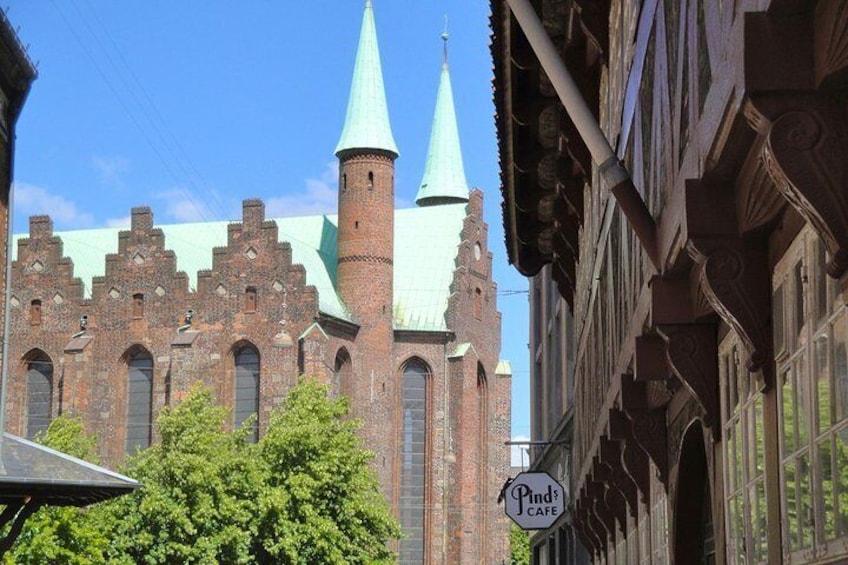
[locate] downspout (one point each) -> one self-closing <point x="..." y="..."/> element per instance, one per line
<point x="611" y="170"/>
<point x="446" y="439"/>
<point x="4" y="375"/>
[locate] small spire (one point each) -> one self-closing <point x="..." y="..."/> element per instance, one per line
<point x="444" y="174"/>
<point x="367" y="121"/>
<point x="445" y="37"/>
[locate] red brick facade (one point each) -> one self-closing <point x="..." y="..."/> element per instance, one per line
<point x="254" y="295"/>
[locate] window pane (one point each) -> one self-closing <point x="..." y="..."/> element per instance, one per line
<point x="39" y="396"/>
<point x="790" y="485"/>
<point x="413" y="463"/>
<point x="821" y="282"/>
<point x="798" y="298"/>
<point x="826" y="512"/>
<point x="841" y="439"/>
<point x="788" y="409"/>
<point x="801" y="400"/>
<point x="840" y="366"/>
<point x="139" y="402"/>
<point x="822" y="370"/>
<point x="805" y="500"/>
<point x="247" y="389"/>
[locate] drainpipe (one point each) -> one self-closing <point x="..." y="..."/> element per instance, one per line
<point x="10" y="245"/>
<point x="611" y="170"/>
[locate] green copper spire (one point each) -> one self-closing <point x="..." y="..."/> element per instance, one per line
<point x="367" y="122"/>
<point x="444" y="176"/>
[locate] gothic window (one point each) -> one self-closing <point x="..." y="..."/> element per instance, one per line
<point x="812" y="371"/>
<point x="342" y="372"/>
<point x="39" y="391"/>
<point x="138" y="306"/>
<point x="413" y="467"/>
<point x="250" y="299"/>
<point x="247" y="388"/>
<point x="35" y="312"/>
<point x="139" y="400"/>
<point x="482" y="443"/>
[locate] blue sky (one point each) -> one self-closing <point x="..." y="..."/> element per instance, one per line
<point x="191" y="106"/>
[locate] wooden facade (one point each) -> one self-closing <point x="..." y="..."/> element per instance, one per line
<point x="709" y="410"/>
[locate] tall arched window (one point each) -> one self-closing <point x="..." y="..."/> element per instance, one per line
<point x="247" y="387"/>
<point x="39" y="401"/>
<point x="139" y="400"/>
<point x="412" y="478"/>
<point x="483" y="453"/>
<point x="342" y="372"/>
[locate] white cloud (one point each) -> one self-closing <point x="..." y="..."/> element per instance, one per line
<point x="320" y="197"/>
<point x="31" y="200"/>
<point x="182" y="206"/>
<point x="516" y="452"/>
<point x="111" y="169"/>
<point x="119" y="222"/>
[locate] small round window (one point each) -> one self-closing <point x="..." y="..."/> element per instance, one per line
<point x="478" y="251"/>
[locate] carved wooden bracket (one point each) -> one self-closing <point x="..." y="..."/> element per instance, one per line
<point x="650" y="359"/>
<point x="735" y="279"/>
<point x="613" y="497"/>
<point x="587" y="537"/>
<point x="596" y="491"/>
<point x="632" y="455"/>
<point x="648" y="425"/>
<point x="692" y="351"/>
<point x="593" y="523"/>
<point x="611" y="455"/>
<point x="806" y="153"/>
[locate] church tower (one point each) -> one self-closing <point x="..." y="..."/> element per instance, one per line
<point x="364" y="278"/>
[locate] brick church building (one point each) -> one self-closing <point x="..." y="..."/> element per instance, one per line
<point x="395" y="309"/>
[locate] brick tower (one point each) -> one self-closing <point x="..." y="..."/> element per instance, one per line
<point x="366" y="153"/>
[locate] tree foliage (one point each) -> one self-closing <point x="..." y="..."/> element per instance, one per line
<point x="519" y="546"/>
<point x="323" y="501"/>
<point x="63" y="535"/>
<point x="304" y="494"/>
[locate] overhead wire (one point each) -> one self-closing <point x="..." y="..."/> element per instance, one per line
<point x="158" y="150"/>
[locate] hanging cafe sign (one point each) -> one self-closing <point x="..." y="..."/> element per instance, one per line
<point x="534" y="501"/>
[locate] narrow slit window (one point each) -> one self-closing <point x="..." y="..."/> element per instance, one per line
<point x="35" y="312"/>
<point x="370" y="180"/>
<point x="250" y="299"/>
<point x="138" y="305"/>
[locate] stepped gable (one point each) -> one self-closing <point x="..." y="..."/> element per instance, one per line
<point x="253" y="279"/>
<point x="472" y="307"/>
<point x="141" y="277"/>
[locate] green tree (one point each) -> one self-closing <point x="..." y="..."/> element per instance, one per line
<point x="519" y="546"/>
<point x="323" y="502"/>
<point x="64" y="535"/>
<point x="200" y="486"/>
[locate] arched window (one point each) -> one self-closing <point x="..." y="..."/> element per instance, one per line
<point x="138" y="305"/>
<point x="250" y="299"/>
<point x="413" y="458"/>
<point x="483" y="451"/>
<point x="370" y="180"/>
<point x="247" y="387"/>
<point x="35" y="312"/>
<point x="342" y="371"/>
<point x="39" y="401"/>
<point x="139" y="400"/>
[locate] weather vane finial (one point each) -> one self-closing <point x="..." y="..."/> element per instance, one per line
<point x="445" y="39"/>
